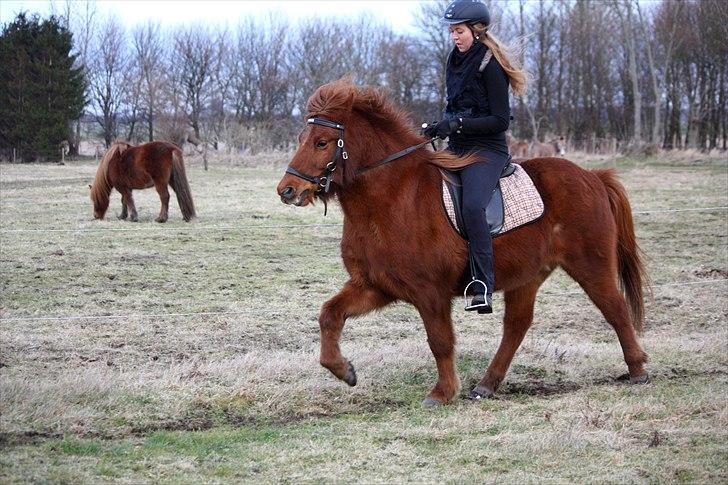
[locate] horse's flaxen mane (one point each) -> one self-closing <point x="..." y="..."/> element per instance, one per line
<point x="101" y="187"/>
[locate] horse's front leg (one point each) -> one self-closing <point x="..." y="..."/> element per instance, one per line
<point x="435" y="313"/>
<point x="128" y="202"/>
<point x="124" y="214"/>
<point x="352" y="300"/>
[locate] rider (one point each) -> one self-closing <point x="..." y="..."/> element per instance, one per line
<point x="475" y="120"/>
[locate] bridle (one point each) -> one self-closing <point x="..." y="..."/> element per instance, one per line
<point x="323" y="181"/>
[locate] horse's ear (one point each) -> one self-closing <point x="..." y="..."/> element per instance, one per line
<point x="122" y="148"/>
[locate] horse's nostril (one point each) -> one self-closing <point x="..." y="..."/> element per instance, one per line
<point x="288" y="192"/>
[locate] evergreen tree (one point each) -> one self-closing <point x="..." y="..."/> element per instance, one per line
<point x="40" y="90"/>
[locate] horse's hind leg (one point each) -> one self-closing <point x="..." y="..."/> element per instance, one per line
<point x="441" y="338"/>
<point x="351" y="301"/>
<point x="603" y="291"/>
<point x="164" y="199"/>
<point x="128" y="202"/>
<point x="516" y="322"/>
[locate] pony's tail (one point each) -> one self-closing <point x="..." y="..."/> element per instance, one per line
<point x="180" y="186"/>
<point x="631" y="268"/>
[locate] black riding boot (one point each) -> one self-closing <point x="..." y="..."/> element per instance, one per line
<point x="478" y="181"/>
<point x="480" y="302"/>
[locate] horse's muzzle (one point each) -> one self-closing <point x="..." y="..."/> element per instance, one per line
<point x="287" y="194"/>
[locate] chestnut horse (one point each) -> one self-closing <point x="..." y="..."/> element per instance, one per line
<point x="551" y="148"/>
<point x="518" y="148"/>
<point x="154" y="164"/>
<point x="397" y="243"/>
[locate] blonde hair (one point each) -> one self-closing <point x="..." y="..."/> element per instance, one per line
<point x="508" y="56"/>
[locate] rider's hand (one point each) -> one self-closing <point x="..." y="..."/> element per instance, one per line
<point x="430" y="130"/>
<point x="446" y="128"/>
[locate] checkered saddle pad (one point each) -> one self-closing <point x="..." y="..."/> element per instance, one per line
<point x="515" y="202"/>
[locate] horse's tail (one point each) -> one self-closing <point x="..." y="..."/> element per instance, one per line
<point x="631" y="268"/>
<point x="180" y="185"/>
<point x="450" y="161"/>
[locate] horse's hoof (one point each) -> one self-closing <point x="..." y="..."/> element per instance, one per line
<point x="641" y="379"/>
<point x="480" y="392"/>
<point x="160" y="220"/>
<point x="431" y="402"/>
<point x="350" y="377"/>
<point x="638" y="379"/>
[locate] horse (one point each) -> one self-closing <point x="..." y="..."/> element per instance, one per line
<point x="518" y="148"/>
<point x="397" y="243"/>
<point x="126" y="167"/>
<point x="551" y="148"/>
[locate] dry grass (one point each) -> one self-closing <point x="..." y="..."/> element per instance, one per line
<point x="205" y="365"/>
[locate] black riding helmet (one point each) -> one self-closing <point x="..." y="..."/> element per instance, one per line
<point x="466" y="12"/>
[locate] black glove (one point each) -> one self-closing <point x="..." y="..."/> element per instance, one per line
<point x="445" y="128"/>
<point x="430" y="129"/>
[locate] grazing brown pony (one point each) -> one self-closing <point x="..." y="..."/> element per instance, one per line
<point x="154" y="164"/>
<point x="397" y="243"/>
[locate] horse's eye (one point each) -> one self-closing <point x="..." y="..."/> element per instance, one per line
<point x="321" y="144"/>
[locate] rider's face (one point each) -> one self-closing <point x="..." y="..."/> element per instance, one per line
<point x="462" y="36"/>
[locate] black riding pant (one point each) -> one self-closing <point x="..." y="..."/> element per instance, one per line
<point x="479" y="181"/>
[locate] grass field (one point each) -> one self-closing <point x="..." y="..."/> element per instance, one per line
<point x="188" y="352"/>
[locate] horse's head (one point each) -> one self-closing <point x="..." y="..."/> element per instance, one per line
<point x="560" y="145"/>
<point x="101" y="187"/>
<point x="99" y="207"/>
<point x="317" y="168"/>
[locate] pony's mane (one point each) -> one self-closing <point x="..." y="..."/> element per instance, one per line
<point x="333" y="100"/>
<point x="101" y="187"/>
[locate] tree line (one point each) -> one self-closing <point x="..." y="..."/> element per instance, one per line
<point x="613" y="72"/>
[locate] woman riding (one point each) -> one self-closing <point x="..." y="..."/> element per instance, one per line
<point x="476" y="117"/>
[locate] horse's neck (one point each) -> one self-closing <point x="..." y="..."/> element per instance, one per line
<point x="396" y="189"/>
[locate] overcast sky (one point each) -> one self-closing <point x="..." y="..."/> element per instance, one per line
<point x="399" y="14"/>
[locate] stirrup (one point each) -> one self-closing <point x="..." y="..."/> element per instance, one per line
<point x="465" y="296"/>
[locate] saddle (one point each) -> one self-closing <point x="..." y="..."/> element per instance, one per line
<point x="515" y="201"/>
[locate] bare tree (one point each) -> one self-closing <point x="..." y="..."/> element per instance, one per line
<point x="148" y="58"/>
<point x="222" y="85"/>
<point x="623" y="9"/>
<point x="81" y="20"/>
<point x="437" y="44"/>
<point x="318" y="55"/>
<point x="194" y="52"/>
<point x="107" y="70"/>
<point x="654" y="75"/>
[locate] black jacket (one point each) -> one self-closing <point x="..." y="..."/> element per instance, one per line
<point x="484" y="107"/>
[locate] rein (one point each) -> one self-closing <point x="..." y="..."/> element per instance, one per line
<point x="323" y="181"/>
<point x="394" y="156"/>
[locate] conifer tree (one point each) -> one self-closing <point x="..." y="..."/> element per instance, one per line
<point x="40" y="90"/>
